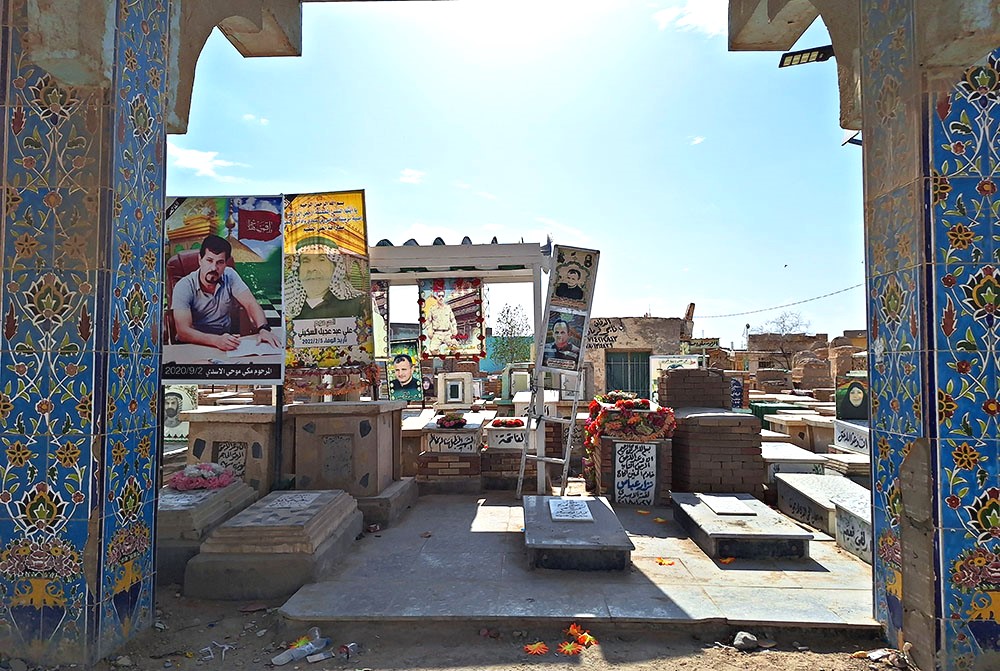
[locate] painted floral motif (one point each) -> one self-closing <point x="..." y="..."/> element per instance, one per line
<point x="984" y="515"/>
<point x="52" y="557"/>
<point x="41" y="508"/>
<point x="49" y="299"/>
<point x="981" y="84"/>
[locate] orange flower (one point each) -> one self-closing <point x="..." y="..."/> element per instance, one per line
<point x="570" y="648"/>
<point x="538" y="648"/>
<point x="585" y="639"/>
<point x="574" y="630"/>
<point x="659" y="520"/>
<point x="727" y="560"/>
<point x="664" y="562"/>
<point x="642" y="512"/>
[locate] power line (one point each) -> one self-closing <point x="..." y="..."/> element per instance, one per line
<point x="786" y="305"/>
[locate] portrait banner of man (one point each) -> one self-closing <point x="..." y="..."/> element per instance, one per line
<point x="563" y="349"/>
<point x="403" y="370"/>
<point x="451" y="318"/>
<point x="223" y="311"/>
<point x="571" y="283"/>
<point x="328" y="304"/>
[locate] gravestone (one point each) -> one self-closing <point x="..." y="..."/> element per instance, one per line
<point x="634" y="466"/>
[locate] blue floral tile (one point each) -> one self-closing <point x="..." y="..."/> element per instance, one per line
<point x="969" y="474"/>
<point x="893" y="242"/>
<point x="962" y="220"/>
<point x="968" y="593"/>
<point x="967" y="403"/>
<point x="964" y="311"/>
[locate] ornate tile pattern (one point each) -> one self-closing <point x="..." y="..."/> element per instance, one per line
<point x="79" y="318"/>
<point x="965" y="285"/>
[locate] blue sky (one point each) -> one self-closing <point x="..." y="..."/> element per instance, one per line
<point x="702" y="175"/>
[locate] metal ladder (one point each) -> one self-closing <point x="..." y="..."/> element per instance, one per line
<point x="534" y="447"/>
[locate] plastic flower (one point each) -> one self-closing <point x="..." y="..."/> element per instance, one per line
<point x="642" y="512"/>
<point x="727" y="560"/>
<point x="570" y="648"/>
<point x="664" y="562"/>
<point x="586" y="640"/>
<point x="575" y="630"/>
<point x="538" y="648"/>
<point x="660" y="520"/>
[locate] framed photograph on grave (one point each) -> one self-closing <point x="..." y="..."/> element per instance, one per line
<point x="178" y="398"/>
<point x="573" y="277"/>
<point x="563" y="348"/>
<point x="403" y="370"/>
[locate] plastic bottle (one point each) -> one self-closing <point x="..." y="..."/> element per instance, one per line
<point x="314" y="643"/>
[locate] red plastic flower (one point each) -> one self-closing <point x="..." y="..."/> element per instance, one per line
<point x="538" y="648"/>
<point x="570" y="648"/>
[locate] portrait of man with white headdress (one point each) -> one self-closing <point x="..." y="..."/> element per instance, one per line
<point x="318" y="282"/>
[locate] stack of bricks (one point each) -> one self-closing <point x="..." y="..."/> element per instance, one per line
<point x="717" y="451"/>
<point x="493" y="385"/>
<point x="447" y="473"/>
<point x="694" y="388"/>
<point x="500" y="469"/>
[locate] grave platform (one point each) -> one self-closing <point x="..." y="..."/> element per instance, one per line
<point x="789" y="458"/>
<point x="738" y="525"/>
<point x="275" y="546"/>
<point x="186" y="518"/>
<point x="854" y="525"/>
<point x="809" y="498"/>
<point x="567" y="540"/>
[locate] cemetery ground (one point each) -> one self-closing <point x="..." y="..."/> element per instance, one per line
<point x="191" y="634"/>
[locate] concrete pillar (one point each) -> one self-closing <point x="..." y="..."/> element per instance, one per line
<point x="82" y="89"/>
<point x="931" y="213"/>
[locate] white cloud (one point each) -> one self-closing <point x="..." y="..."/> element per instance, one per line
<point x="697" y="139"/>
<point x="486" y="194"/>
<point x="411" y="176"/>
<point x="572" y="234"/>
<point x="462" y="185"/>
<point x="204" y="163"/>
<point x="263" y="121"/>
<point x="710" y="17"/>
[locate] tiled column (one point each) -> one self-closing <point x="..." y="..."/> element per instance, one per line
<point x="82" y="201"/>
<point x="931" y="213"/>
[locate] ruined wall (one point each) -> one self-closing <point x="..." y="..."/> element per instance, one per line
<point x="653" y="335"/>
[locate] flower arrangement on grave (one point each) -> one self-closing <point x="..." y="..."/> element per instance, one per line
<point x="620" y="414"/>
<point x="508" y="422"/>
<point x="202" y="476"/>
<point x="451" y="420"/>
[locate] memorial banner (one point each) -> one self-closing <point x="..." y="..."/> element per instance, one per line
<point x="563" y="350"/>
<point x="451" y="318"/>
<point x="663" y="362"/>
<point x="223" y="300"/>
<point x="380" y="318"/>
<point x="327" y="282"/>
<point x="567" y="308"/>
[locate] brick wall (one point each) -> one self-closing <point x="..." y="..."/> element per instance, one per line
<point x="493" y="385"/>
<point x="694" y="388"/>
<point x="717" y="452"/>
<point x="500" y="469"/>
<point x="436" y="466"/>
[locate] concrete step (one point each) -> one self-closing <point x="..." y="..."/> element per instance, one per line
<point x="738" y="525"/>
